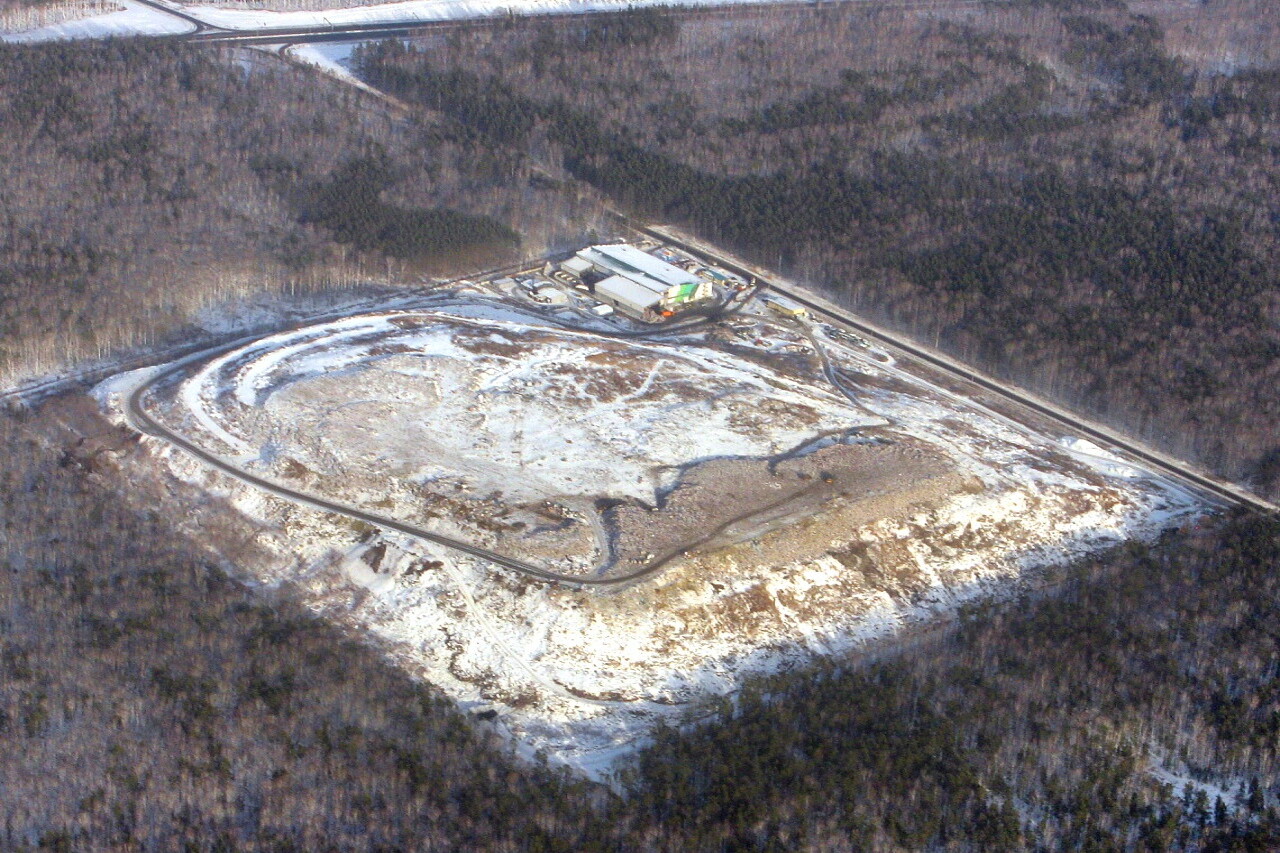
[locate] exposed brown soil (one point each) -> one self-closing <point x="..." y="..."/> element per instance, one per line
<point x="723" y="502"/>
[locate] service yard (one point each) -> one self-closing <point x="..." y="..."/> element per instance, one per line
<point x="738" y="493"/>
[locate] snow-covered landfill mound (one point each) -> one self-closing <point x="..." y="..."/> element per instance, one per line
<point x="792" y="516"/>
<point x="532" y="414"/>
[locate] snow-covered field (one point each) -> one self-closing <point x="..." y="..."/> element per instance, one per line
<point x="473" y="416"/>
<point x="330" y="59"/>
<point x="414" y="11"/>
<point x="136" y="19"/>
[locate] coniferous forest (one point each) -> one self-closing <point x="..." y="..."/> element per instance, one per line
<point x="144" y="182"/>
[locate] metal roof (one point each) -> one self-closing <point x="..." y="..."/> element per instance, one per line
<point x="624" y="259"/>
<point x="622" y="289"/>
<point x="576" y="265"/>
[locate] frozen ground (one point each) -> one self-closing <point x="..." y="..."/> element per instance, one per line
<point x="132" y="20"/>
<point x="412" y="10"/>
<point x="330" y="59"/>
<point x="479" y="421"/>
<point x="139" y="20"/>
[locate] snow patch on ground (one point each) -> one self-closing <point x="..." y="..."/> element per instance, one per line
<point x="318" y="57"/>
<point x="1181" y="779"/>
<point x="1102" y="460"/>
<point x="111" y="392"/>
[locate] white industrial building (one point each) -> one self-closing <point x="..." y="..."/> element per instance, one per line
<point x="637" y="283"/>
<point x="628" y="296"/>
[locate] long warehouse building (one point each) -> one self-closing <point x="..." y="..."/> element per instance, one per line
<point x="640" y="284"/>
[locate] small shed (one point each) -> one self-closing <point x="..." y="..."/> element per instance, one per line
<point x="577" y="266"/>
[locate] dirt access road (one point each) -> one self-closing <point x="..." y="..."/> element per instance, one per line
<point x="142" y="421"/>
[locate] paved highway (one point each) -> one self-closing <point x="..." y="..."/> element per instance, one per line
<point x="1177" y="469"/>
<point x="200" y="25"/>
<point x="317" y="33"/>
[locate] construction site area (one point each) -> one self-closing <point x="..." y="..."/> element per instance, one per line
<point x="588" y="496"/>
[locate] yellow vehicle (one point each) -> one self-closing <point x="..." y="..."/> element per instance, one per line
<point x="796" y="313"/>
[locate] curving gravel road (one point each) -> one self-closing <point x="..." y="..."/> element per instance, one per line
<point x="141" y="420"/>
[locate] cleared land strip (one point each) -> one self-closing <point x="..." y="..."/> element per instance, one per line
<point x="1176" y="468"/>
<point x="408" y="28"/>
